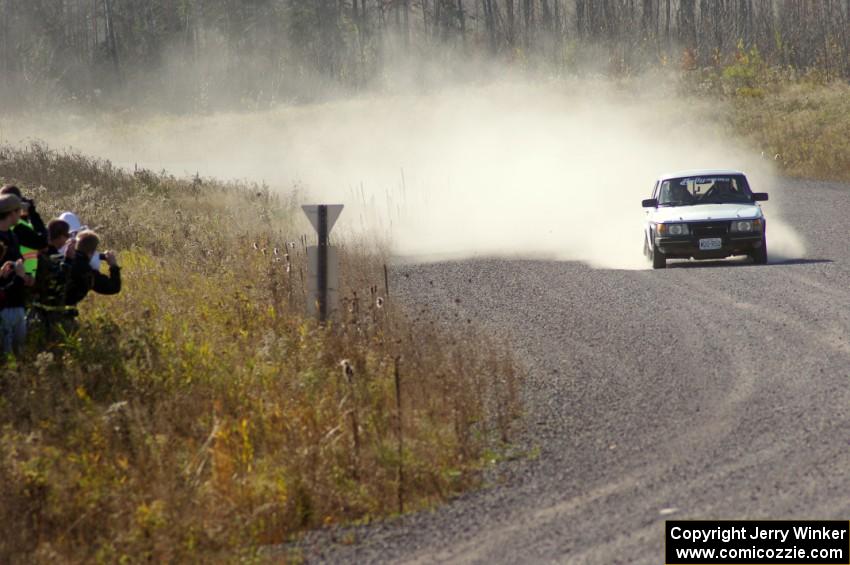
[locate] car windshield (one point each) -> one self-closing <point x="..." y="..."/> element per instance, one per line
<point x="713" y="189"/>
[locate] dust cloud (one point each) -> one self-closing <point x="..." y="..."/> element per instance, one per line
<point x="553" y="170"/>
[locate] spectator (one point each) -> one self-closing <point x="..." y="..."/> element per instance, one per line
<point x="13" y="278"/>
<point x="75" y="226"/>
<point x="30" y="230"/>
<point x="58" y="234"/>
<point x="82" y="278"/>
<point x="48" y="311"/>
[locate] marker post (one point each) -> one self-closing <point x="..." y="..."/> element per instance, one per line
<point x="322" y="262"/>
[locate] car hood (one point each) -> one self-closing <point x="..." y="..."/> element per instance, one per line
<point x="706" y="212"/>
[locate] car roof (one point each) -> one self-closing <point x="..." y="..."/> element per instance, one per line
<point x="698" y="173"/>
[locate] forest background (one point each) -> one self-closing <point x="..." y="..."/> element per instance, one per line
<point x="204" y="55"/>
<point x="780" y="67"/>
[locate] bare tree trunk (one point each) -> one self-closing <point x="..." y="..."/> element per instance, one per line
<point x="718" y="27"/>
<point x="826" y="33"/>
<point x="94" y="28"/>
<point x="559" y="22"/>
<point x="845" y="21"/>
<point x="4" y="35"/>
<point x="686" y="21"/>
<point x="657" y="18"/>
<point x="512" y="22"/>
<point x="359" y="18"/>
<point x="646" y="18"/>
<point x="608" y="19"/>
<point x="406" y="20"/>
<point x="424" y="4"/>
<point x="580" y="18"/>
<point x="490" y="23"/>
<point x="190" y="36"/>
<point x="546" y="15"/>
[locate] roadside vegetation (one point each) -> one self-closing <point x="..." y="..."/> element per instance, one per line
<point x="799" y="119"/>
<point x="198" y="416"/>
<point x="802" y="124"/>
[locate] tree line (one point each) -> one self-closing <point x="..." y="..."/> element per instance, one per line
<point x="203" y="52"/>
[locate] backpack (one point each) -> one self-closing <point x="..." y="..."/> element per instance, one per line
<point x="52" y="282"/>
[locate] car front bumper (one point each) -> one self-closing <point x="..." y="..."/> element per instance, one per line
<point x="685" y="247"/>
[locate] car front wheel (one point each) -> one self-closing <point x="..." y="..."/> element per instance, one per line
<point x="760" y="255"/>
<point x="659" y="261"/>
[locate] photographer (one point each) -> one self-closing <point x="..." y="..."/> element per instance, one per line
<point x="81" y="256"/>
<point x="30" y="230"/>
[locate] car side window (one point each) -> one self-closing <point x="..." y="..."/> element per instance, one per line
<point x="664" y="192"/>
<point x="655" y="190"/>
<point x="739" y="187"/>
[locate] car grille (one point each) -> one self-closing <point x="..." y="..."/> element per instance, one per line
<point x="710" y="229"/>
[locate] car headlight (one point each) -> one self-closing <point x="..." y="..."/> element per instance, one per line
<point x="745" y="226"/>
<point x="673" y="229"/>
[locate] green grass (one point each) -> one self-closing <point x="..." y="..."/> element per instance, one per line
<point x="198" y="416"/>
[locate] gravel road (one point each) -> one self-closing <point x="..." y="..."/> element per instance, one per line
<point x="713" y="390"/>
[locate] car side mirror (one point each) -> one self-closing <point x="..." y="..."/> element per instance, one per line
<point x="759" y="196"/>
<point x="653" y="203"/>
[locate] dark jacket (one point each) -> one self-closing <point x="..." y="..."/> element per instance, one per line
<point x="12" y="291"/>
<point x="82" y="278"/>
<point x="35" y="238"/>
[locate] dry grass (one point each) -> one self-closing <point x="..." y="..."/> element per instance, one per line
<point x="801" y="120"/>
<point x="804" y="126"/>
<point x="199" y="416"/>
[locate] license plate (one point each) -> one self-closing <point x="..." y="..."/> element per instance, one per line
<point x="710" y="243"/>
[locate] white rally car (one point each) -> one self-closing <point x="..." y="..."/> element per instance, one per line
<point x="704" y="214"/>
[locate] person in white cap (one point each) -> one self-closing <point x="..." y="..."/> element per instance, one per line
<point x="73" y="221"/>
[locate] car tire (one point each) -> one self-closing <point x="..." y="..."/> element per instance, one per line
<point x="760" y="255"/>
<point x="659" y="261"/>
